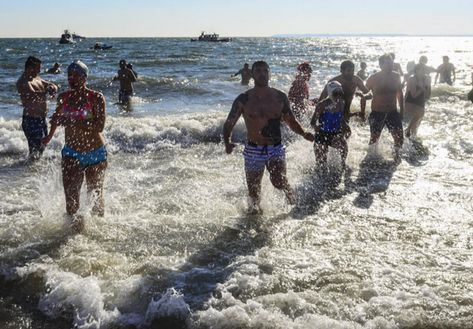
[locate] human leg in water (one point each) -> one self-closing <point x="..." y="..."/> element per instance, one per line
<point x="94" y="176"/>
<point x="253" y="181"/>
<point x="277" y="175"/>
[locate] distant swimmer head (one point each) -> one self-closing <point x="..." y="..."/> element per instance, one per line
<point x="423" y="59"/>
<point x="334" y="90"/>
<point x="122" y="63"/>
<point x="363" y="65"/>
<point x="79" y="68"/>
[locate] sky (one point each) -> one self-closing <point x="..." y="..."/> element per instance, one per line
<point x="186" y="18"/>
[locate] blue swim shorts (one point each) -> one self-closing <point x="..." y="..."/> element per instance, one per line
<point x="257" y="157"/>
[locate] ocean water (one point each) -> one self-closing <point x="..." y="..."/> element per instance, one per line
<point x="381" y="246"/>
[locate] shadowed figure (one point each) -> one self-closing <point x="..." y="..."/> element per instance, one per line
<point x="374" y="177"/>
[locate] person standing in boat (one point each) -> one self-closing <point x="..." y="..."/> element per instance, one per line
<point x="34" y="92"/>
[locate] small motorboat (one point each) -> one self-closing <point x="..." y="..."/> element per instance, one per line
<point x="214" y="37"/>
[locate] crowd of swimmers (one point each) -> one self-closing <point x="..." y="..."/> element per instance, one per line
<point x="264" y="109"/>
<point x="81" y="111"/>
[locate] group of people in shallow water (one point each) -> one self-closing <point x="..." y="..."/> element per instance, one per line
<point x="81" y="111"/>
<point x="264" y="108"/>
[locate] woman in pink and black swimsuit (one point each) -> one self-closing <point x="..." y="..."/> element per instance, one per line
<point x="82" y="113"/>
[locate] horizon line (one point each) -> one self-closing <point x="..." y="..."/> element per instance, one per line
<point x="279" y="35"/>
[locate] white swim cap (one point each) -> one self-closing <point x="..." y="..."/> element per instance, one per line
<point x="333" y="86"/>
<point x="78" y="67"/>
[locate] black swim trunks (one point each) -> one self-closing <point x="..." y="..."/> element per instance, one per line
<point x="35" y="130"/>
<point x="326" y="138"/>
<point x="392" y="120"/>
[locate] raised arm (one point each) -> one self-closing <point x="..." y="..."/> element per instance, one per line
<point x="232" y="118"/>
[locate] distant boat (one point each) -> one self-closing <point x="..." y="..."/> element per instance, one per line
<point x="66" y="38"/>
<point x="211" y="38"/>
<point x="69" y="38"/>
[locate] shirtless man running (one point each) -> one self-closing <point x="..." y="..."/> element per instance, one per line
<point x="263" y="108"/>
<point x="387" y="89"/>
<point x="33" y="93"/>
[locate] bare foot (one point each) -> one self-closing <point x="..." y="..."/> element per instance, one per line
<point x="77" y="223"/>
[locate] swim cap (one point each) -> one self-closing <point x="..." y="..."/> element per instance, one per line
<point x="78" y="67"/>
<point x="333" y="86"/>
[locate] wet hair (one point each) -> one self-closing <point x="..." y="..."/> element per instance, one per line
<point x="363" y="64"/>
<point x="32" y="61"/>
<point x="347" y="65"/>
<point x="122" y="63"/>
<point x="246" y="64"/>
<point x="383" y="58"/>
<point x="57" y="64"/>
<point x="423" y="59"/>
<point x="259" y="63"/>
<point x="393" y="56"/>
<point x="304" y="67"/>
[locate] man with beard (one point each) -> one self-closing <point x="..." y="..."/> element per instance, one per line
<point x="263" y="108"/>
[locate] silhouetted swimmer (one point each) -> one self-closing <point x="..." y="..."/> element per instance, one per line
<point x="446" y="70"/>
<point x="387" y="92"/>
<point x="55" y="69"/>
<point x="418" y="91"/>
<point x="126" y="77"/>
<point x="245" y="73"/>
